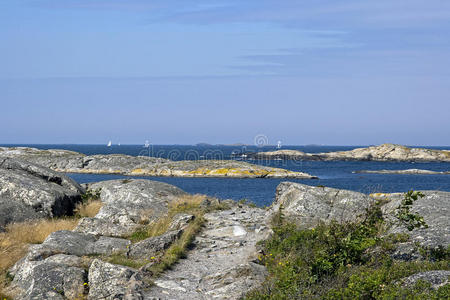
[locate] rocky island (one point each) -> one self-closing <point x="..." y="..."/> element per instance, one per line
<point x="407" y="171"/>
<point x="385" y="152"/>
<point x="74" y="162"/>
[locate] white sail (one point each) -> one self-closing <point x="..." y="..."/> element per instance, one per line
<point x="109" y="144"/>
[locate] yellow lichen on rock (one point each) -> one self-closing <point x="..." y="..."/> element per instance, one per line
<point x="137" y="171"/>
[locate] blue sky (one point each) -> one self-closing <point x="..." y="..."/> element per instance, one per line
<point x="323" y="72"/>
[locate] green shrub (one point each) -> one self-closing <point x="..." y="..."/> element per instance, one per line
<point x="343" y="261"/>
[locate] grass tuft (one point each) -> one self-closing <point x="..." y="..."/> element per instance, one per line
<point x="15" y="240"/>
<point x="89" y="209"/>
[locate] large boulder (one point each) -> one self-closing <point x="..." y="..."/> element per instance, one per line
<point x="127" y="204"/>
<point x="56" y="277"/>
<point x="434" y="207"/>
<point x="308" y="205"/>
<point x="29" y="191"/>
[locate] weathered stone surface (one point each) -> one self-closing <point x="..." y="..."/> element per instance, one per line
<point x="51" y="278"/>
<point x="109" y="281"/>
<point x="153" y="246"/>
<point x="76" y="243"/>
<point x="127" y="204"/>
<point x="220" y="265"/>
<point x="109" y="245"/>
<point x="437" y="278"/>
<point x="385" y="152"/>
<point x="14" y="211"/>
<point x="29" y="191"/>
<point x="104" y="227"/>
<point x="407" y="171"/>
<point x="68" y="242"/>
<point x="435" y="209"/>
<point x="308" y="205"/>
<point x="72" y="162"/>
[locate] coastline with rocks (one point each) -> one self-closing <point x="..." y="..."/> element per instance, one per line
<point x="407" y="171"/>
<point x="74" y="162"/>
<point x="152" y="240"/>
<point x="384" y="152"/>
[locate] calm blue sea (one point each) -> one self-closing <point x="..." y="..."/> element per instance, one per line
<point x="261" y="191"/>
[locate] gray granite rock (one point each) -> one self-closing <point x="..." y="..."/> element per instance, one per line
<point x="308" y="205"/>
<point x="29" y="191"/>
<point x="153" y="246"/>
<point x="220" y="265"/>
<point x="108" y="281"/>
<point x="437" y="278"/>
<point x="49" y="278"/>
<point x="127" y="204"/>
<point x="435" y="209"/>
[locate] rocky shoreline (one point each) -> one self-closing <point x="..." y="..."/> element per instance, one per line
<point x="73" y="162"/>
<point x="385" y="152"/>
<point x="112" y="255"/>
<point x="407" y="171"/>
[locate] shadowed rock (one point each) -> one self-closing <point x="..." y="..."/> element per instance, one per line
<point x="29" y="191"/>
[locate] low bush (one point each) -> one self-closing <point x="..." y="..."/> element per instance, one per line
<point x="342" y="261"/>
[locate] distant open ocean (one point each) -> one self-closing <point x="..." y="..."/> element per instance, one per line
<point x="336" y="174"/>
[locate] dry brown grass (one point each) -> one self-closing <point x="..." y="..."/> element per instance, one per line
<point x="88" y="209"/>
<point x="14" y="242"/>
<point x="186" y="203"/>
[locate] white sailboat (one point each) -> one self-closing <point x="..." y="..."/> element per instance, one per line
<point x="109" y="144"/>
<point x="279" y="145"/>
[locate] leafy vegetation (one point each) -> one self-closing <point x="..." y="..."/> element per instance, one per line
<point x="91" y="195"/>
<point x="344" y="261"/>
<point x="405" y="216"/>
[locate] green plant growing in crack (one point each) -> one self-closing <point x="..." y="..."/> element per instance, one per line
<point x="404" y="215"/>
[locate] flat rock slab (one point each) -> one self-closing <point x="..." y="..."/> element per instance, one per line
<point x="220" y="265"/>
